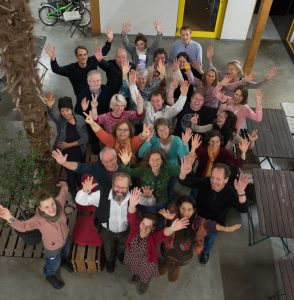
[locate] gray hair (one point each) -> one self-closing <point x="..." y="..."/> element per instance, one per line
<point x="92" y="72"/>
<point x="142" y="72"/>
<point x="109" y="150"/>
<point x="117" y="98"/>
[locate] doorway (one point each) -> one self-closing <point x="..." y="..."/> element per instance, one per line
<point x="205" y="17"/>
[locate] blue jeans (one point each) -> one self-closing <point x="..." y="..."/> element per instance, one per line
<point x="209" y="241"/>
<point x="52" y="263"/>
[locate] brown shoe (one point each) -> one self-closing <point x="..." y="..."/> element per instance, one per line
<point x="163" y="269"/>
<point x="173" y="272"/>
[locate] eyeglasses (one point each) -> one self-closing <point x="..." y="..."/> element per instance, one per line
<point x="120" y="188"/>
<point x="123" y="129"/>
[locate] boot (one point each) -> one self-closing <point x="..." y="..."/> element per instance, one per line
<point x="55" y="282"/>
<point x="163" y="269"/>
<point x="173" y="272"/>
<point x="141" y="287"/>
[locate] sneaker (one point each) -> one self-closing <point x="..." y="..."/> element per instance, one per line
<point x="135" y="278"/>
<point x="163" y="269"/>
<point x="203" y="258"/>
<point x="173" y="272"/>
<point x="55" y="282"/>
<point x="141" y="287"/>
<point x="67" y="265"/>
<point x="109" y="266"/>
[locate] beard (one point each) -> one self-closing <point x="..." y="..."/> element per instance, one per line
<point x="118" y="196"/>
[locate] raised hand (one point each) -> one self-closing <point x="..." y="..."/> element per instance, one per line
<point x="173" y="85"/>
<point x="249" y="77"/>
<point x="50" y="99"/>
<point x="88" y="184"/>
<point x="227" y="79"/>
<point x="146" y="130"/>
<point x="135" y="197"/>
<point x="124" y="156"/>
<point x="161" y="68"/>
<point x="89" y="119"/>
<point x="175" y="64"/>
<point x="209" y="52"/>
<point x="5" y="213"/>
<point x="98" y="54"/>
<point x="158" y="27"/>
<point x="125" y="67"/>
<point x="126" y="27"/>
<point x="179" y="224"/>
<point x="196" y="64"/>
<point x="147" y="191"/>
<point x="194" y="119"/>
<point x="258" y="97"/>
<point x="167" y="214"/>
<point x="187" y="136"/>
<point x="50" y="50"/>
<point x="94" y="102"/>
<point x="62" y="183"/>
<point x="253" y="136"/>
<point x="196" y="141"/>
<point x="59" y="157"/>
<point x="149" y="135"/>
<point x="85" y="104"/>
<point x="186" y="166"/>
<point x="132" y="77"/>
<point x="244" y="145"/>
<point x="271" y="73"/>
<point x="241" y="183"/>
<point x="184" y="88"/>
<point x="109" y="34"/>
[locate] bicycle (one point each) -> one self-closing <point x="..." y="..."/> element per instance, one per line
<point x="52" y="12"/>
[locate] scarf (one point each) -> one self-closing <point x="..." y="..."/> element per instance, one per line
<point x="49" y="218"/>
<point x="211" y="158"/>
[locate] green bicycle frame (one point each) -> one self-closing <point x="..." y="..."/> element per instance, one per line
<point x="59" y="10"/>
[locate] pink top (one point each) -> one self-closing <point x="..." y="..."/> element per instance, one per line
<point x="243" y="112"/>
<point x="54" y="234"/>
<point x="107" y="120"/>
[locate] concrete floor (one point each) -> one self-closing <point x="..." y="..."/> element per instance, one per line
<point x="235" y="270"/>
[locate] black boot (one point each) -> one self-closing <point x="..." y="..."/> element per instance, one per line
<point x="55" y="282"/>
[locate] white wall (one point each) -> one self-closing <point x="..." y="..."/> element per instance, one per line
<point x="237" y="19"/>
<point x="141" y="14"/>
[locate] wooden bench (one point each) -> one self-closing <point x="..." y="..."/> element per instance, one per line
<point x="87" y="258"/>
<point x="274" y="191"/>
<point x="287" y="274"/>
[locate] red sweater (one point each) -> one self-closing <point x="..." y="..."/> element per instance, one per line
<point x="154" y="238"/>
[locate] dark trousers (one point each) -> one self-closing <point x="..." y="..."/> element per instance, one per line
<point x="114" y="243"/>
<point x="209" y="241"/>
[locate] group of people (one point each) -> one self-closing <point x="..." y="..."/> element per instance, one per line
<point x="159" y="122"/>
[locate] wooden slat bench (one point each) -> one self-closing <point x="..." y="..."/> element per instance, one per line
<point x="274" y="193"/>
<point x="87" y="258"/>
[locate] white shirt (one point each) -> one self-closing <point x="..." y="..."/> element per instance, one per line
<point x="118" y="221"/>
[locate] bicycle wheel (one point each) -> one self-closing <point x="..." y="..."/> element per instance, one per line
<point x="47" y="15"/>
<point x="86" y="18"/>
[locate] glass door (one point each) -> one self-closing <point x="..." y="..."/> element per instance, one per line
<point x="205" y="17"/>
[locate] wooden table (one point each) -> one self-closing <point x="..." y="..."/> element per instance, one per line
<point x="275" y="206"/>
<point x="274" y="136"/>
<point x="287" y="274"/>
